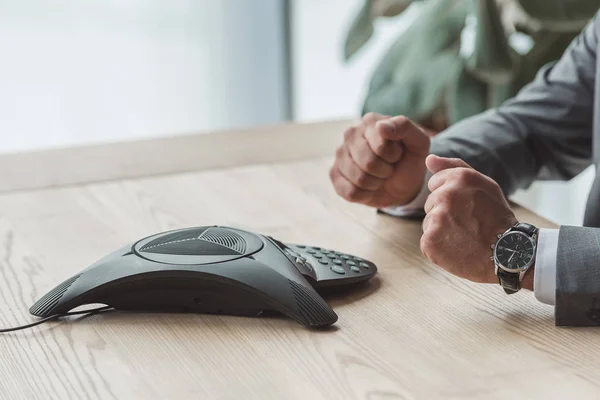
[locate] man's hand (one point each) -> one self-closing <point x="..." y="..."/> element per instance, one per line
<point x="466" y="211"/>
<point x="381" y="162"/>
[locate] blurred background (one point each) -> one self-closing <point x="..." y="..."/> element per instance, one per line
<point x="84" y="72"/>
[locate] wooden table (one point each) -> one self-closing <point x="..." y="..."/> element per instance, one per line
<point x="413" y="332"/>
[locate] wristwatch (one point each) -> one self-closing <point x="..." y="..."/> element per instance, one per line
<point x="513" y="254"/>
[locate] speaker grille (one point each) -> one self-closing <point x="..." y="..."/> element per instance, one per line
<point x="175" y="237"/>
<point x="51" y="299"/>
<point x="313" y="308"/>
<point x="225" y="238"/>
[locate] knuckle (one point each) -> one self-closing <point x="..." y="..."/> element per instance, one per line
<point x="451" y="196"/>
<point x="352" y="193"/>
<point x="435" y="232"/>
<point x="402" y="122"/>
<point x="465" y="176"/>
<point x="370" y="116"/>
<point x="427" y="245"/>
<point x="402" y="119"/>
<point x="349" y="133"/>
<point x="372" y="162"/>
<point x="380" y="147"/>
<point x="332" y="175"/>
<point x="363" y="179"/>
<point x="441" y="215"/>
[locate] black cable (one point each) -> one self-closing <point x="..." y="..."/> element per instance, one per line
<point x="52" y="317"/>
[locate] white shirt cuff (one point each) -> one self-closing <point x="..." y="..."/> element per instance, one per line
<point x="415" y="207"/>
<point x="544" y="280"/>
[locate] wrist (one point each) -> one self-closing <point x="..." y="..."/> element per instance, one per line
<point x="528" y="278"/>
<point x="417" y="198"/>
<point x="527" y="282"/>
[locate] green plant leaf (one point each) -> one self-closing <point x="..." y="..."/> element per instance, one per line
<point x="417" y="94"/>
<point x="362" y="27"/>
<point x="466" y="96"/>
<point x="391" y="8"/>
<point x="413" y="74"/>
<point x="360" y="31"/>
<point x="493" y="60"/>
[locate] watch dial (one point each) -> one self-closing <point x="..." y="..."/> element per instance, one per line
<point x="514" y="251"/>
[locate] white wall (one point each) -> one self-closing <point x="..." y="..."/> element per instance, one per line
<point x="324" y="87"/>
<point x="74" y="72"/>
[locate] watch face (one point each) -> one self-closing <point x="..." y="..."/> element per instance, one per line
<point x="514" y="251"/>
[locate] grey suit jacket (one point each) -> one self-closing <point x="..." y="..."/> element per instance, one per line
<point x="550" y="130"/>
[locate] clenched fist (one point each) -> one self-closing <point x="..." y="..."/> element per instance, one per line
<point x="381" y="162"/>
<point x="465" y="212"/>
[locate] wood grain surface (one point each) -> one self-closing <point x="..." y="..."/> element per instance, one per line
<point x="413" y="332"/>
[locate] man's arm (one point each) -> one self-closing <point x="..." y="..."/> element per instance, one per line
<point x="545" y="132"/>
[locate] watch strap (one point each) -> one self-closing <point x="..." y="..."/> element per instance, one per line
<point x="525" y="228"/>
<point x="509" y="281"/>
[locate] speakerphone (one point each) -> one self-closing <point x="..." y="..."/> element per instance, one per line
<point x="212" y="269"/>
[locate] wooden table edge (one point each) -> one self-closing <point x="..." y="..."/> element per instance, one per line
<point x="168" y="155"/>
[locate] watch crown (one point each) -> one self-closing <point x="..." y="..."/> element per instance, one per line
<point x="492" y="258"/>
<point x="493" y="246"/>
<point x="499" y="235"/>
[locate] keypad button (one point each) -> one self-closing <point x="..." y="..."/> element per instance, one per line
<point x="301" y="246"/>
<point x="324" y="261"/>
<point x="318" y="256"/>
<point x="338" y="270"/>
<point x="311" y="251"/>
<point x="316" y="248"/>
<point x="331" y="255"/>
<point x="337" y="262"/>
<point x="355" y="269"/>
<point x="351" y="263"/>
<point x="364" y="265"/>
<point x="345" y="257"/>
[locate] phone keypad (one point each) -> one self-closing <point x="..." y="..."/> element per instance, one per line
<point x="338" y="262"/>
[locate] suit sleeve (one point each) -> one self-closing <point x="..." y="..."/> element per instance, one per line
<point x="578" y="277"/>
<point x="545" y="132"/>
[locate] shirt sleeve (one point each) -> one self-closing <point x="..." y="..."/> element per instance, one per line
<point x="415" y="207"/>
<point x="544" y="280"/>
